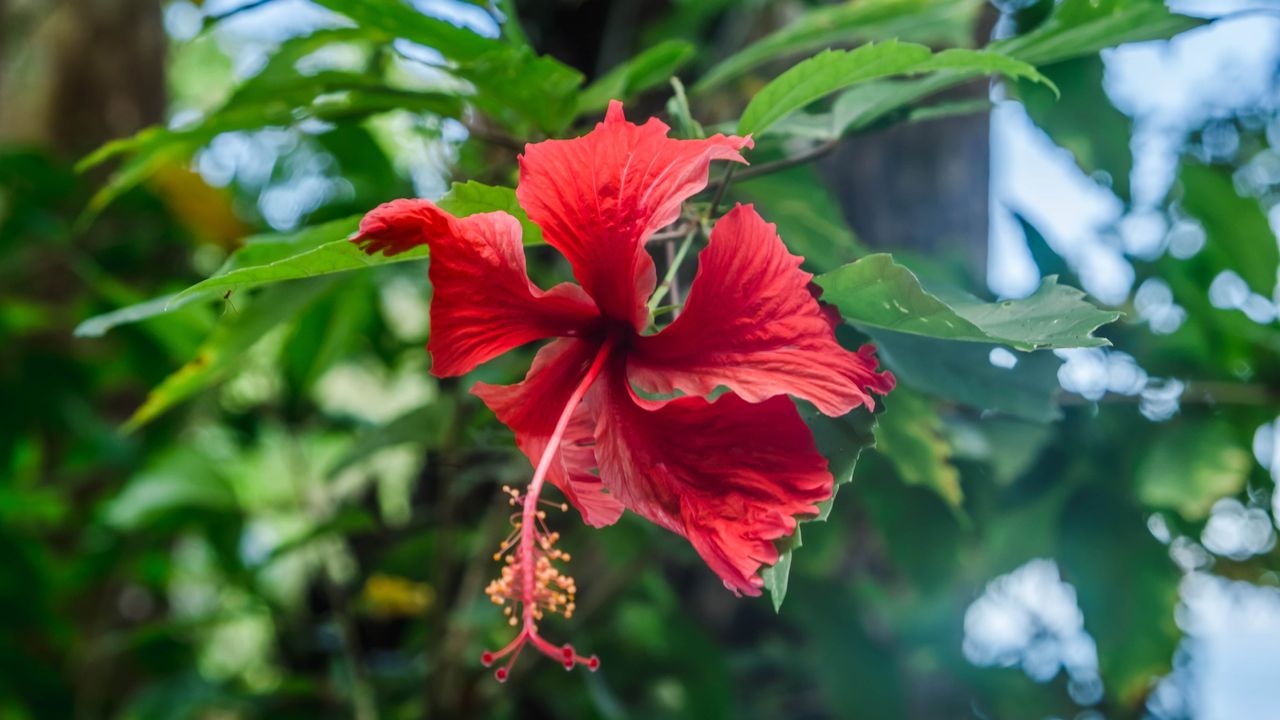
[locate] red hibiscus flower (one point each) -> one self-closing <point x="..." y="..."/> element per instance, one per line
<point x="730" y="475"/>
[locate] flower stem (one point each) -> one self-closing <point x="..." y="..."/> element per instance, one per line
<point x="672" y="268"/>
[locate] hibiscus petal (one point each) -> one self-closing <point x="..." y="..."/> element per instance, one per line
<point x="598" y="197"/>
<point x="729" y="475"/>
<point x="531" y="409"/>
<point x="751" y="323"/>
<point x="483" y="303"/>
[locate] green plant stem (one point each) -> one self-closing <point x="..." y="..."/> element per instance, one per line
<point x="669" y="280"/>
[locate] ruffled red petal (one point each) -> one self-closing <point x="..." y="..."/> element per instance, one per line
<point x="598" y="197"/>
<point x="531" y="409"/>
<point x="483" y="303"/>
<point x="752" y="324"/>
<point x="729" y="475"/>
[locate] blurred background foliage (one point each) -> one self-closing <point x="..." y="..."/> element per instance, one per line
<point x="230" y="489"/>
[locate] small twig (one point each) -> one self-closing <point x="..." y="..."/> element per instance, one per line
<point x="1207" y="392"/>
<point x="211" y="20"/>
<point x="676" y="232"/>
<point x="754" y="171"/>
<point x="720" y="191"/>
<point x="480" y="131"/>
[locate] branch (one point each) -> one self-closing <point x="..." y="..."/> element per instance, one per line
<point x="809" y="155"/>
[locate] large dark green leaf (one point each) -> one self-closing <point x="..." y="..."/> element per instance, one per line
<point x="909" y="433"/>
<point x="1190" y="466"/>
<point x="931" y="22"/>
<point x="963" y="372"/>
<point x="875" y="292"/>
<point x="1239" y="236"/>
<point x="1127" y="588"/>
<point x="833" y="70"/>
<point x="1086" y="124"/>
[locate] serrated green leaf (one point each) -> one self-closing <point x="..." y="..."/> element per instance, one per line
<point x="1083" y="27"/>
<point x="833" y="70"/>
<point x="876" y="292"/>
<point x="776" y="575"/>
<point x="841" y="441"/>
<point x="471" y="197"/>
<point x="931" y="22"/>
<point x="648" y="69"/>
<point x="1191" y="466"/>
<point x="909" y="433"/>
<point x="963" y="372"/>
<point x="338" y="254"/>
<point x="309" y="252"/>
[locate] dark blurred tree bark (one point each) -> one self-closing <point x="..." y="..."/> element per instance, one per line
<point x="920" y="186"/>
<point x="76" y="73"/>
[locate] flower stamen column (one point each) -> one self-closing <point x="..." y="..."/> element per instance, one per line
<point x="530" y="580"/>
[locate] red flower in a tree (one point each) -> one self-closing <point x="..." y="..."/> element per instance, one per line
<point x="732" y="474"/>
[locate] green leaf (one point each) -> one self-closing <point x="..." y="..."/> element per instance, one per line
<point x="309" y="252"/>
<point x="1127" y="587"/>
<point x="1083" y="27"/>
<point x="866" y="104"/>
<point x="400" y="19"/>
<point x="776" y="575"/>
<point x="1088" y="126"/>
<point x="963" y="372"/>
<point x="427" y="426"/>
<point x="841" y="441"/>
<point x="681" y="117"/>
<point x="179" y="481"/>
<point x="1190" y="466"/>
<point x="330" y="96"/>
<point x="98" y="325"/>
<point x="336" y="253"/>
<point x="910" y="435"/>
<point x="931" y="22"/>
<point x="833" y="70"/>
<point x="876" y="292"/>
<point x="1238" y="234"/>
<point x="471" y="197"/>
<point x="648" y="69"/>
<point x="239" y="332"/>
<point x="517" y="86"/>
